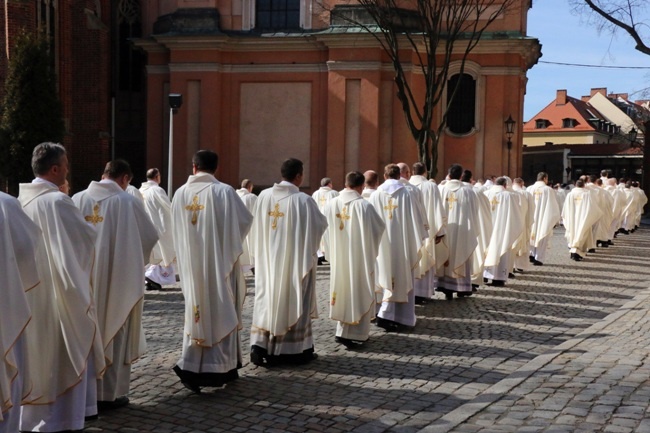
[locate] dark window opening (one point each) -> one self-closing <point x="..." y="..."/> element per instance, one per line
<point x="277" y="14"/>
<point x="461" y="113"/>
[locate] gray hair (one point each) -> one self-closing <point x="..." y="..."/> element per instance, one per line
<point x="45" y="156"/>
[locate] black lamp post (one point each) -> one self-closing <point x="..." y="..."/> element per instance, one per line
<point x="510" y="130"/>
<point x="631" y="135"/>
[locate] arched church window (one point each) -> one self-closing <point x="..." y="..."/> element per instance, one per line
<point x="461" y="114"/>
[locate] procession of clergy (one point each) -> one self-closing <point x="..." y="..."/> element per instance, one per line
<point x="74" y="268"/>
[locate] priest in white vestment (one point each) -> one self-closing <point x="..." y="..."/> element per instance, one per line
<point x="19" y="239"/>
<point x="64" y="331"/>
<point x="434" y="253"/>
<point x="287" y="229"/>
<point x="643" y="200"/>
<point x="484" y="231"/>
<point x="353" y="240"/>
<point x="322" y="195"/>
<point x="546" y="216"/>
<point x="398" y="251"/>
<point x="632" y="201"/>
<point x="606" y="203"/>
<point x="617" y="210"/>
<point x="462" y="207"/>
<point x="370" y="184"/>
<point x="210" y="224"/>
<point x="507" y="227"/>
<point x="580" y="213"/>
<point x="246" y="195"/>
<point x="125" y="238"/>
<point x="522" y="250"/>
<point x="161" y="261"/>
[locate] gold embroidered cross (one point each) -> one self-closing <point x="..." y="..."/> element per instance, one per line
<point x="537" y="195"/>
<point x="494" y="203"/>
<point x="578" y="198"/>
<point x="276" y="214"/>
<point x="451" y="200"/>
<point x="390" y="208"/>
<point x="95" y="218"/>
<point x="344" y="216"/>
<point x="322" y="200"/>
<point x="195" y="207"/>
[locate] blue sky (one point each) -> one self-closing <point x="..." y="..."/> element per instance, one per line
<point x="567" y="38"/>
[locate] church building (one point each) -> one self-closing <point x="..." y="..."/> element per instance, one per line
<point x="264" y="80"/>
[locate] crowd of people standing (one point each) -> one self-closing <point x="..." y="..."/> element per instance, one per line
<point x="77" y="268"/>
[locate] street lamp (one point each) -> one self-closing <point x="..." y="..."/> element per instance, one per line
<point x="631" y="135"/>
<point x="510" y="130"/>
<point x="175" y="102"/>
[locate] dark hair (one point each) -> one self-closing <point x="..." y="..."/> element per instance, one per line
<point x="152" y="173"/>
<point x="46" y="155"/>
<point x="466" y="176"/>
<point x="580" y="183"/>
<point x="455" y="171"/>
<point x="604" y="173"/>
<point x="502" y="181"/>
<point x="206" y="160"/>
<point x="592" y="178"/>
<point x="354" y="179"/>
<point x="392" y="171"/>
<point x="290" y="169"/>
<point x="419" y="169"/>
<point x="117" y="168"/>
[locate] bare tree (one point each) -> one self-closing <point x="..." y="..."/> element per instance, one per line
<point x="435" y="33"/>
<point x="630" y="16"/>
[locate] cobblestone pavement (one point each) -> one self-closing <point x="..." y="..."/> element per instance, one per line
<point x="563" y="347"/>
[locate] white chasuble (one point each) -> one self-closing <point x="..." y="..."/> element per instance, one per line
<point x="546" y="213"/>
<point x="210" y="224"/>
<point x="462" y="206"/>
<point x="355" y="230"/>
<point x="507" y="223"/>
<point x="580" y="213"/>
<point x="19" y="238"/>
<point x="159" y="209"/>
<point x="399" y="250"/>
<point x="64" y="330"/>
<point x="125" y="238"/>
<point x="432" y="255"/>
<point x="287" y="229"/>
<point x="246" y="260"/>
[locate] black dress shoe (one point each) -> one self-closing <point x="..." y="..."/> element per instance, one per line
<point x="192" y="387"/>
<point x="151" y="285"/>
<point x="91" y="417"/>
<point x="115" y="404"/>
<point x="421" y="300"/>
<point x="591" y="250"/>
<point x="498" y="283"/>
<point x="531" y="258"/>
<point x="538" y="263"/>
<point x="511" y="275"/>
<point x="350" y="344"/>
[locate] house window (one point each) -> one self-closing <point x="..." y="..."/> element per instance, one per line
<point x="541" y="124"/>
<point x="461" y="111"/>
<point x="568" y="123"/>
<point x="277" y="14"/>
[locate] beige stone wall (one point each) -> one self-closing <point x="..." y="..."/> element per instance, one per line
<point x="275" y="124"/>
